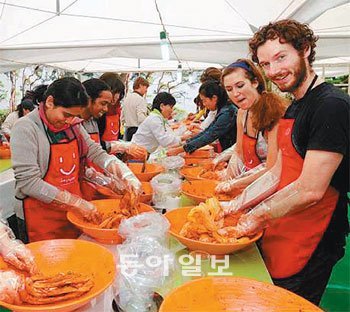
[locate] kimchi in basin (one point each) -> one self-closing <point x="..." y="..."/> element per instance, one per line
<point x="233" y="294"/>
<point x="151" y="170"/>
<point x="200" y="190"/>
<point x="106" y="236"/>
<point x="70" y="255"/>
<point x="177" y="219"/>
<point x="145" y="197"/>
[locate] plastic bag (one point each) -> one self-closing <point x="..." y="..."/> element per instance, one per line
<point x="149" y="224"/>
<point x="144" y="264"/>
<point x="106" y="180"/>
<point x="166" y="191"/>
<point x="172" y="162"/>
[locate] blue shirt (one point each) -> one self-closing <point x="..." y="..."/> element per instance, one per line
<point x="223" y="128"/>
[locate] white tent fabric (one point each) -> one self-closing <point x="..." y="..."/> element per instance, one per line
<point x="89" y="35"/>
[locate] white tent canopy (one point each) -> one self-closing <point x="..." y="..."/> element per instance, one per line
<point x="104" y="35"/>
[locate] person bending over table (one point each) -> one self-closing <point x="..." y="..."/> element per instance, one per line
<point x="223" y="128"/>
<point x="48" y="147"/>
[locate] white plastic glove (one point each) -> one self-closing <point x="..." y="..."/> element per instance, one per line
<point x="14" y="251"/>
<point x="121" y="170"/>
<point x="280" y="204"/>
<point x="11" y="284"/>
<point x="239" y="182"/>
<point x="257" y="191"/>
<point x="235" y="166"/>
<point x="136" y="151"/>
<point x="224" y="156"/>
<point x="76" y="203"/>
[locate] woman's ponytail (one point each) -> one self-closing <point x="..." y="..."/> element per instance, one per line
<point x="268" y="110"/>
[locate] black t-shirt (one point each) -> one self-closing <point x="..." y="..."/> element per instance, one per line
<point x="322" y="123"/>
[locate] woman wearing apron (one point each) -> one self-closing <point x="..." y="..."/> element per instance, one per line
<point x="48" y="148"/>
<point x="100" y="98"/>
<point x="259" y="113"/>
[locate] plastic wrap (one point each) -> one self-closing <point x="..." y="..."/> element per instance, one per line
<point x="144" y="263"/>
<point x="166" y="191"/>
<point x="257" y="191"/>
<point x="14" y="251"/>
<point x="10" y="286"/>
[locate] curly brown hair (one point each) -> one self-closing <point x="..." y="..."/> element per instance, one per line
<point x="270" y="107"/>
<point x="299" y="35"/>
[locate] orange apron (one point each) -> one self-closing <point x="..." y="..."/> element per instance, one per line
<point x="111" y="132"/>
<point x="290" y="242"/>
<point x="251" y="159"/>
<point x="42" y="221"/>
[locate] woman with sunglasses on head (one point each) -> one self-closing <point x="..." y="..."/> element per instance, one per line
<point x="258" y="114"/>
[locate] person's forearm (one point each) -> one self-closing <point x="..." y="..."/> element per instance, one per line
<point x="246" y="180"/>
<point x="198" y="142"/>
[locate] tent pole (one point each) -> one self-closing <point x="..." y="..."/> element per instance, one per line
<point x="349" y="81"/>
<point x="58" y="9"/>
<point x="323" y="72"/>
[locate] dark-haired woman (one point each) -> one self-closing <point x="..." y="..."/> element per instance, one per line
<point x="223" y="128"/>
<point x="100" y="102"/>
<point x="109" y="123"/>
<point x="154" y="131"/>
<point x="48" y="147"/>
<point x="22" y="109"/>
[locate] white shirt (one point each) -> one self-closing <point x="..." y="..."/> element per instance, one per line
<point x="134" y="110"/>
<point x="155" y="132"/>
<point x="9" y="122"/>
<point x="209" y="119"/>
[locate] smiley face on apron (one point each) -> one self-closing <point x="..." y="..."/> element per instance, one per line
<point x="66" y="165"/>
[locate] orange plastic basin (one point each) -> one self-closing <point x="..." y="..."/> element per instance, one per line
<point x="203" y="152"/>
<point x="192" y="173"/>
<point x="233" y="294"/>
<point x="190" y="161"/>
<point x="151" y="170"/>
<point x="5" y="152"/>
<point x="145" y="197"/>
<point x="200" y="190"/>
<point x="147" y="192"/>
<point x="63" y="255"/>
<point x="106" y="236"/>
<point x="177" y="219"/>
